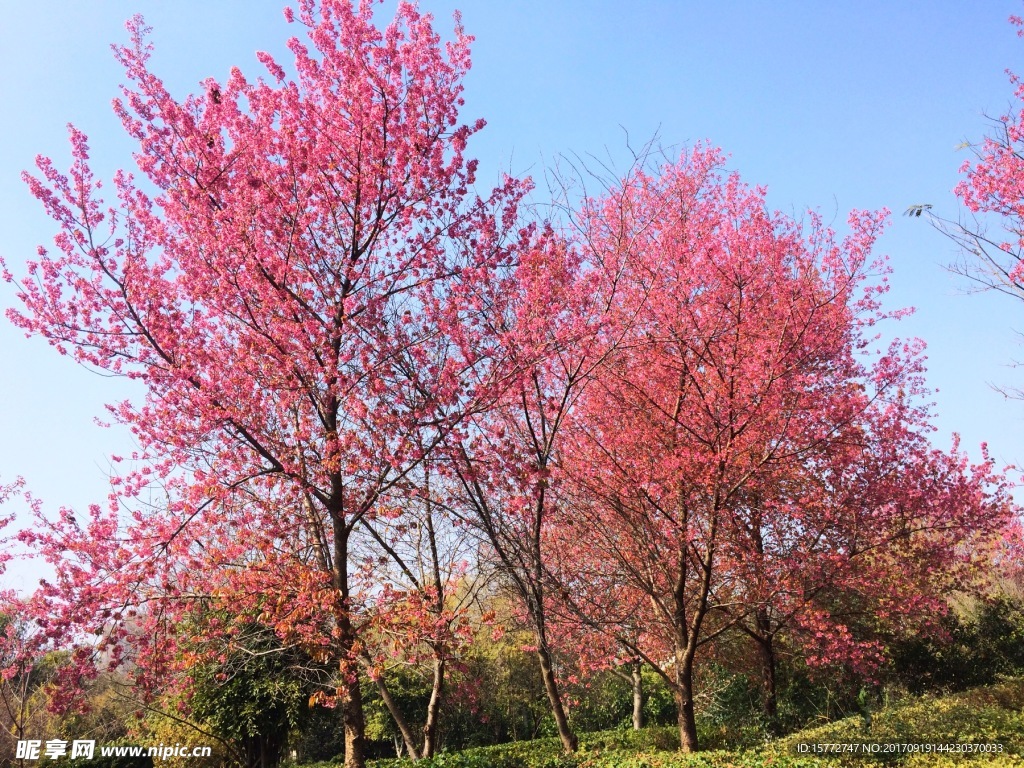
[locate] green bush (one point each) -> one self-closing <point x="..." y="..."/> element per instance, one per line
<point x="716" y="759"/>
<point x="973" y="649"/>
<point x="732" y="716"/>
<point x="606" y="702"/>
<point x="547" y="753"/>
<point x="994" y="714"/>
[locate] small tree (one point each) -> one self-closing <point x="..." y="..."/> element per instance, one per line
<point x="251" y="697"/>
<point x="504" y="467"/>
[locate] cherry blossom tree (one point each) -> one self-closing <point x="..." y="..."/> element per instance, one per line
<point x="301" y="281"/>
<point x="865" y="550"/>
<point x="702" y="453"/>
<point x="564" y="317"/>
<point x="994" y="184"/>
<point x="991" y="235"/>
<point x="427" y="578"/>
<point x="504" y="465"/>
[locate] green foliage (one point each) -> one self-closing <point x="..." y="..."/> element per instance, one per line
<point x="716" y="759"/>
<point x="732" y="715"/>
<point x="976" y="649"/>
<point x="321" y="737"/>
<point x="252" y="699"/>
<point x="659" y="704"/>
<point x="547" y="753"/>
<point x="805" y="699"/>
<point x="993" y="714"/>
<point x="410" y="690"/>
<point x="109" y="716"/>
<point x="606" y="702"/>
<point x="541" y="753"/>
<point x="495" y="696"/>
<point x="661" y="738"/>
<point x="656" y="753"/>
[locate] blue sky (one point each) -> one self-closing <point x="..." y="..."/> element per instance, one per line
<point x="832" y="106"/>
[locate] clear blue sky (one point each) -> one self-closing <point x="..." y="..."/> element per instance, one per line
<point x="831" y="105"/>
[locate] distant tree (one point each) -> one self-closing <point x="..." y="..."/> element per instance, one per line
<point x="250" y="697"/>
<point x="975" y="645"/>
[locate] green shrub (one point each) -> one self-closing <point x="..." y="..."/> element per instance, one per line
<point x="973" y="650"/>
<point x="994" y="714"/>
<point x="547" y="753"/>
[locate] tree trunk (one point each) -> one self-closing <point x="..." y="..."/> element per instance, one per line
<point x="434" y="706"/>
<point x="352" y="699"/>
<point x="352" y="717"/>
<point x="684" y="698"/>
<point x="769" y="693"/>
<point x="638" y="695"/>
<point x="398" y="717"/>
<point x="569" y="740"/>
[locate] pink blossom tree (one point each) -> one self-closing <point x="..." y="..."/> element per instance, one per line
<point x="504" y="466"/>
<point x="991" y="236"/>
<point x="302" y="283"/>
<point x="704" y="454"/>
<point x="566" y="315"/>
<point x="994" y="184"/>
